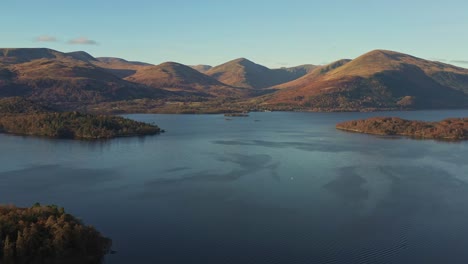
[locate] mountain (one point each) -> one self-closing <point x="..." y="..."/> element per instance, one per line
<point x="117" y="61"/>
<point x="247" y="74"/>
<point x="56" y="77"/>
<point x="21" y="55"/>
<point x="379" y="79"/>
<point x="297" y="71"/>
<point x="201" y="68"/>
<point x="177" y="77"/>
<point x="81" y="55"/>
<point x="119" y="67"/>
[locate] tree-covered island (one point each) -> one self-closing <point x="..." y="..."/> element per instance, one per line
<point x="447" y="129"/>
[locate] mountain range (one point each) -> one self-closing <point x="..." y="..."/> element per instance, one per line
<point x="377" y="80"/>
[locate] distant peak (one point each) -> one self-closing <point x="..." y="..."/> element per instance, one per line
<point x="19" y="55"/>
<point x="243" y="60"/>
<point x="171" y="64"/>
<point x="383" y="55"/>
<point x="110" y="59"/>
<point x="381" y="52"/>
<point x="81" y="55"/>
<point x="28" y="49"/>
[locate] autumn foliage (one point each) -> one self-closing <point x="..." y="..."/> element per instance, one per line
<point x="74" y="125"/>
<point x="46" y="234"/>
<point x="448" y="129"/>
<point x="24" y="117"/>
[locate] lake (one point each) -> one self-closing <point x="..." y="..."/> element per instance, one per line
<point x="277" y="187"/>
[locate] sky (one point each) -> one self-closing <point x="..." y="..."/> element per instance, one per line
<point x="274" y="33"/>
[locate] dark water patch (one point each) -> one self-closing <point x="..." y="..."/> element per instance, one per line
<point x="177" y="169"/>
<point x="330" y="146"/>
<point x="247" y="161"/>
<point x="348" y="186"/>
<point x="248" y="164"/>
<point x="312" y="146"/>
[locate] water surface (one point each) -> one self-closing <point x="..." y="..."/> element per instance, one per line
<point x="271" y="188"/>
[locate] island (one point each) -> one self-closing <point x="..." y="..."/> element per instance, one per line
<point x="23" y="117"/>
<point x="47" y="234"/>
<point x="447" y="129"/>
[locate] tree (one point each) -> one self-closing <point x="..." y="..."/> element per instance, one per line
<point x="8" y="251"/>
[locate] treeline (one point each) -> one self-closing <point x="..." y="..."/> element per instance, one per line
<point x="48" y="235"/>
<point x="19" y="105"/>
<point x="24" y="117"/>
<point x="448" y="129"/>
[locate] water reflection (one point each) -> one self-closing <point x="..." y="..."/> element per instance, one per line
<point x="247" y="165"/>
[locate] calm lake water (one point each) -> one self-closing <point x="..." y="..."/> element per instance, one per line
<point x="270" y="188"/>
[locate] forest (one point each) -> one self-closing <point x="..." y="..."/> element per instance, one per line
<point x="24" y="117"/>
<point x="48" y="235"/>
<point x="447" y="129"/>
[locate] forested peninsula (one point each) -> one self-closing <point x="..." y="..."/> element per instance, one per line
<point x="23" y="117"/>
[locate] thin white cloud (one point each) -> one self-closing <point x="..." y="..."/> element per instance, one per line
<point x="82" y="41"/>
<point x="46" y="38"/>
<point x="460" y="61"/>
<point x="438" y="59"/>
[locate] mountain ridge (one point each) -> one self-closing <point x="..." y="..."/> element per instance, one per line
<point x="376" y="80"/>
<point x="244" y="73"/>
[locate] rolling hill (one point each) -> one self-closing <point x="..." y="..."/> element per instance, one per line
<point x="119" y="67"/>
<point x="180" y="78"/>
<point x="63" y="78"/>
<point x="379" y="79"/>
<point x="247" y="74"/>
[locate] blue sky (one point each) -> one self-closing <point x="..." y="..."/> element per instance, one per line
<point x="273" y="33"/>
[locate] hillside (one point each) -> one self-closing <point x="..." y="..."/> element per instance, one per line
<point x="20" y="55"/>
<point x="201" y="68"/>
<point x="377" y="80"/>
<point x="63" y="78"/>
<point x="177" y="77"/>
<point x="119" y="67"/>
<point x="19" y="105"/>
<point x="448" y="129"/>
<point x="247" y="74"/>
